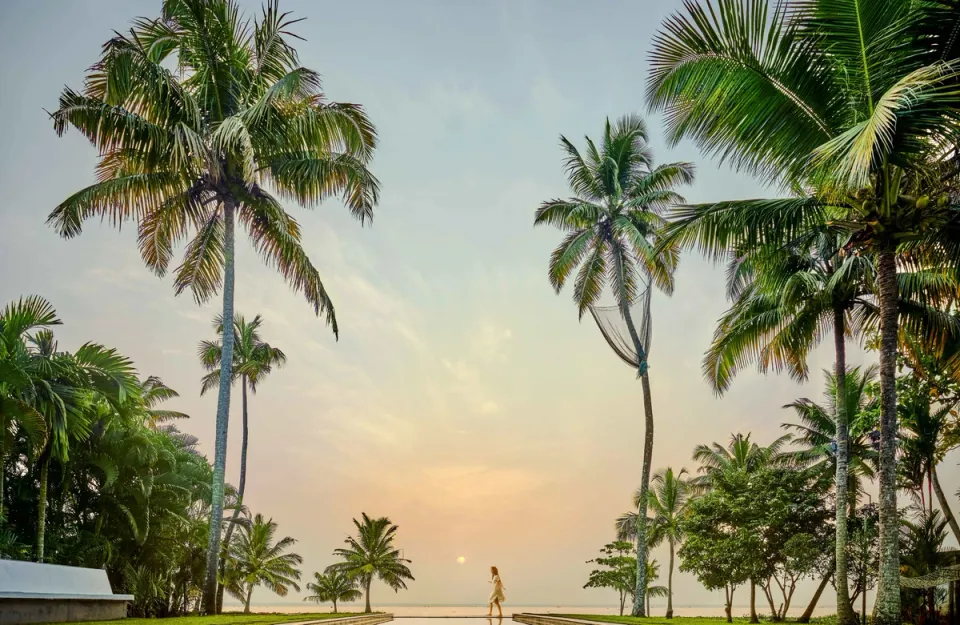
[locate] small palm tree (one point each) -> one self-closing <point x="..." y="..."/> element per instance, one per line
<point x="152" y="393"/>
<point x="612" y="223"/>
<point x="371" y="554"/>
<point x="202" y="119"/>
<point x="333" y="586"/>
<point x="260" y="561"/>
<point x="650" y="591"/>
<point x="668" y="500"/>
<point x="740" y="454"/>
<point x="816" y="432"/>
<point x="253" y="360"/>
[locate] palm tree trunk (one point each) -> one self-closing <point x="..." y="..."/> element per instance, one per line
<point x="670" y="583"/>
<point x="246" y="605"/>
<point x="42" y="505"/>
<point x="241" y="488"/>
<point x="223" y="415"/>
<point x="886" y="610"/>
<point x="334" y="606"/>
<point x="808" y="613"/>
<point x="845" y="615"/>
<point x="639" y="598"/>
<point x="945" y="506"/>
<point x="369" y="581"/>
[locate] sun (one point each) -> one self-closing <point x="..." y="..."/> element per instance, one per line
<point x="461" y="560"/>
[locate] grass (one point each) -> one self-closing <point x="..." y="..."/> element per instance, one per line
<point x="679" y="620"/>
<point x="237" y="618"/>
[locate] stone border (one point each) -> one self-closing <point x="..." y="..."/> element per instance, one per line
<point x="362" y="619"/>
<point x="549" y="619"/>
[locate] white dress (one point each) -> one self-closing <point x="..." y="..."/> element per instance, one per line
<point x="497" y="593"/>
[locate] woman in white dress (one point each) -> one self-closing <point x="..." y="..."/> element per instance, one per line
<point x="497" y="595"/>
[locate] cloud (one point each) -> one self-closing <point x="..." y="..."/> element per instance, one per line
<point x="468" y="386"/>
<point x="488" y="342"/>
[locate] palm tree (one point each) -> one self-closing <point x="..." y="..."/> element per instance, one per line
<point x="612" y="223"/>
<point x="816" y="432"/>
<point x="372" y="554"/>
<point x="822" y="95"/>
<point x="253" y="360"/>
<point x="653" y="574"/>
<point x="740" y="454"/>
<point x="668" y="500"/>
<point x="261" y="561"/>
<point x="152" y="393"/>
<point x="70" y="391"/>
<point x="18" y="374"/>
<point x="202" y="118"/>
<point x="333" y="586"/>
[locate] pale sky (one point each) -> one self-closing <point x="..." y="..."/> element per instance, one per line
<point x="463" y="400"/>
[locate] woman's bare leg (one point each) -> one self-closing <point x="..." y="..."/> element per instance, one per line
<point x="497" y="601"/>
<point x="490" y="613"/>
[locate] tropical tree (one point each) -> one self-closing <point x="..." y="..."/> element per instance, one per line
<point x="71" y="393"/>
<point x="262" y="562"/>
<point x="18" y="373"/>
<point x="202" y="118"/>
<point x="152" y="393"/>
<point x="651" y="591"/>
<point x="618" y="570"/>
<point x="612" y="223"/>
<point x="816" y="430"/>
<point x="668" y="500"/>
<point x="371" y="554"/>
<point x="741" y="453"/>
<point x="850" y="102"/>
<point x="831" y="449"/>
<point x="333" y="586"/>
<point x="253" y="360"/>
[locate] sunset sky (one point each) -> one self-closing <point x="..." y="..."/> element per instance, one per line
<point x="464" y="400"/>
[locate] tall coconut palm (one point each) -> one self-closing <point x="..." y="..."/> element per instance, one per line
<point x="612" y="223"/>
<point x="668" y="500"/>
<point x="841" y="96"/>
<point x="371" y="554"/>
<point x="202" y="118"/>
<point x="260" y="561"/>
<point x="253" y="360"/>
<point x="333" y="586"/>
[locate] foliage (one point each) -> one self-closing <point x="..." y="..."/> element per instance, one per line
<point x="261" y="561"/>
<point x="334" y="587"/>
<point x="371" y="554"/>
<point x="619" y="570"/>
<point x="730" y="539"/>
<point x="203" y="118"/>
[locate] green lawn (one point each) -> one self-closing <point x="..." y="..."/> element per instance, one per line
<point x="228" y="619"/>
<point x="678" y="620"/>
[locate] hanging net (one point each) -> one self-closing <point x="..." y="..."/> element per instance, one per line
<point x="614" y="327"/>
<point x="939" y="577"/>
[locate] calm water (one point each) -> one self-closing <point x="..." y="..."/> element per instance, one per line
<point x="481" y="610"/>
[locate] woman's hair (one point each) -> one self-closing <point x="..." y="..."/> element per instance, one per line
<point x="494" y="570"/>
